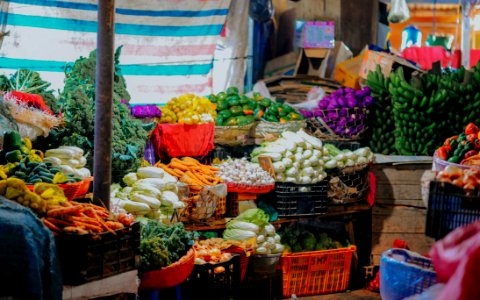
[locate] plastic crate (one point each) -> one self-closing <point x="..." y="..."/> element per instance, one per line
<point x="207" y="283"/>
<point x="449" y="207"/>
<point x="316" y="272"/>
<point x="404" y="273"/>
<point x="301" y="199"/>
<point x="88" y="257"/>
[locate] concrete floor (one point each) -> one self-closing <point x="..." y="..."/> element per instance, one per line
<point x="353" y="295"/>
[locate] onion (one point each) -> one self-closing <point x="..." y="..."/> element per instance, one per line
<point x="323" y="104"/>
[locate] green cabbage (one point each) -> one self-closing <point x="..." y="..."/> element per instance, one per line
<point x="255" y="216"/>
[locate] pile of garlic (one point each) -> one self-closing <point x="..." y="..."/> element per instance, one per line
<point x="243" y="172"/>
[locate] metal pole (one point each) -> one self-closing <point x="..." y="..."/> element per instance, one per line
<point x="467" y="7"/>
<point x="102" y="164"/>
<point x="250" y="56"/>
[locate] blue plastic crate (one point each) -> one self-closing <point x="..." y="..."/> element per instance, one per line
<point x="449" y="207"/>
<point x="404" y="273"/>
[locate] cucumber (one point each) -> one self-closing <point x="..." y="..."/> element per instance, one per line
<point x="21" y="175"/>
<point x="46" y="174"/>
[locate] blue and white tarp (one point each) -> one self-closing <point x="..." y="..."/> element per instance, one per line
<point x="168" y="45"/>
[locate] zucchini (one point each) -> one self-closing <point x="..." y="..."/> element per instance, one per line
<point x="46" y="174"/>
<point x="36" y="180"/>
<point x="21" y="175"/>
<point x="46" y="179"/>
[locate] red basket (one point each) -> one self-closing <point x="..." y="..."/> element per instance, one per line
<point x="244" y="258"/>
<point x="316" y="272"/>
<point x="71" y="190"/>
<point x="253" y="189"/>
<point x="170" y="276"/>
<point x="83" y="189"/>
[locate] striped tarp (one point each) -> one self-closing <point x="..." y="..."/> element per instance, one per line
<point x="168" y="45"/>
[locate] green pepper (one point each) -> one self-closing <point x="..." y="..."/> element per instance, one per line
<point x="221" y="105"/>
<point x="12" y="140"/>
<point x="454" y="159"/>
<point x="244" y="100"/>
<point x="282" y="112"/>
<point x="231" y="121"/>
<point x="241" y="121"/>
<point x="249" y="119"/>
<point x="236" y="110"/>
<point x="256" y="96"/>
<point x="13" y="156"/>
<point x="219" y="121"/>
<point x="213" y="98"/>
<point x="233" y="100"/>
<point x="252" y="103"/>
<point x="294" y="116"/>
<point x="462" y="137"/>
<point x="233" y="90"/>
<point x="265" y="102"/>
<point x="271" y="118"/>
<point x="221" y="96"/>
<point x="288" y="109"/>
<point x="225" y="114"/>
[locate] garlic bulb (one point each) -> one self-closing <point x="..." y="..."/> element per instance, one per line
<point x="241" y="171"/>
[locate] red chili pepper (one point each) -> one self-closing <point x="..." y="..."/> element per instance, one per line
<point x="471" y="128"/>
<point x="471" y="153"/>
<point x="248" y="112"/>
<point x="442" y="153"/>
<point x="448" y="147"/>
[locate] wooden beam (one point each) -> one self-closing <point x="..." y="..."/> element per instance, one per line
<point x="102" y="163"/>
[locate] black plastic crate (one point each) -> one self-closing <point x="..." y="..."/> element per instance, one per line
<point x="449" y="207"/>
<point x="301" y="199"/>
<point x="88" y="257"/>
<point x="214" y="281"/>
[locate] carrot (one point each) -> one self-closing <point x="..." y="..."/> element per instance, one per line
<point x="197" y="177"/>
<point x="178" y="164"/>
<point x="168" y="170"/>
<point x="192" y="160"/>
<point x="179" y="173"/>
<point x="216" y="181"/>
<point x="86" y="220"/>
<point x="103" y="224"/>
<point x="50" y="225"/>
<point x="190" y="180"/>
<point x="114" y="225"/>
<point x="59" y="222"/>
<point x="73" y="229"/>
<point x="88" y="226"/>
<point x="64" y="211"/>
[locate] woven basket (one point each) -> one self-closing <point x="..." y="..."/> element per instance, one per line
<point x="234" y="135"/>
<point x="170" y="276"/>
<point x="323" y="127"/>
<point x="269" y="131"/>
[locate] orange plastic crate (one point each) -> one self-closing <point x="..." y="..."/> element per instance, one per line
<point x="316" y="272"/>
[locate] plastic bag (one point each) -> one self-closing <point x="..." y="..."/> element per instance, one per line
<point x="313" y="97"/>
<point x="456" y="259"/>
<point x="261" y="10"/>
<point x="399" y="12"/>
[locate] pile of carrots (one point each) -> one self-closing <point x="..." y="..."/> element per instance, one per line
<point x="190" y="171"/>
<point x="83" y="218"/>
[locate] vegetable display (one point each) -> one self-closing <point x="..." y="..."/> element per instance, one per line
<point x="150" y="192"/>
<point x="346" y="158"/>
<point x="190" y="171"/>
<point x="234" y="109"/>
<point x="212" y="250"/>
<point x="162" y="245"/>
<point x="297" y="157"/>
<point x="78" y="101"/>
<point x="252" y="224"/>
<point x="380" y="120"/>
<point x="468" y="179"/>
<point x="188" y="109"/>
<point x="344" y="111"/>
<point x="69" y="160"/>
<point x="243" y="172"/>
<point x="83" y="218"/>
<point x="301" y="238"/>
<point x="20" y="161"/>
<point x="459" y="148"/>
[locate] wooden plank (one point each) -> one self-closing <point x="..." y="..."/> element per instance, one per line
<point x="415" y="241"/>
<point x="117" y="284"/>
<point x="398" y="219"/>
<point x="401" y="174"/>
<point x="405" y="202"/>
<point x="399" y="191"/>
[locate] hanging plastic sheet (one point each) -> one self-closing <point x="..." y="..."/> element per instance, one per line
<point x="399" y="11"/>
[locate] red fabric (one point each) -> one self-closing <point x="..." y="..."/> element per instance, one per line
<point x="456" y="259"/>
<point x="426" y="56"/>
<point x="183" y="140"/>
<point x="373" y="189"/>
<point x="32" y="100"/>
<point x="474" y="57"/>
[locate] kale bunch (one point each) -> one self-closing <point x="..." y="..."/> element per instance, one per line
<point x="161" y="244"/>
<point x="78" y="101"/>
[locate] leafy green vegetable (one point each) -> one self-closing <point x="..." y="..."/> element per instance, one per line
<point x="78" y="100"/>
<point x="161" y="244"/>
<point x="255" y="216"/>
<point x="300" y="238"/>
<point x="30" y="82"/>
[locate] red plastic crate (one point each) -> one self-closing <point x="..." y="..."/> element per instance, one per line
<point x="316" y="272"/>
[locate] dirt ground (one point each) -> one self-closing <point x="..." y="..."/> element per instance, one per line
<point x="353" y="295"/>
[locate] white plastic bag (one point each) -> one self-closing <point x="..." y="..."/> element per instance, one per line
<point x="313" y="97"/>
<point x="399" y="12"/>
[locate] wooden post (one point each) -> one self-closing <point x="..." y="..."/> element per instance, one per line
<point x="359" y="23"/>
<point x="102" y="165"/>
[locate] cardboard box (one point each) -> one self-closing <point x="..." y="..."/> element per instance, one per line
<point x="314" y="34"/>
<point x="347" y="71"/>
<point x="387" y="62"/>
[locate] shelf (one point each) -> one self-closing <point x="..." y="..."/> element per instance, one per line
<point x="335" y="211"/>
